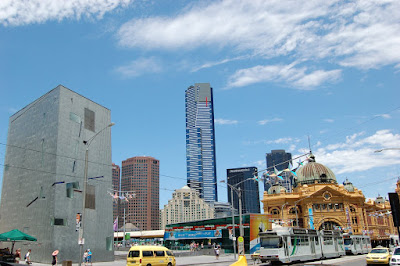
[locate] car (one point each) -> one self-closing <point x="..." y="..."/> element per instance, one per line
<point x="378" y="255"/>
<point x="395" y="260"/>
<point x="150" y="255"/>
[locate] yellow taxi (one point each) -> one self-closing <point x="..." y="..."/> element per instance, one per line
<point x="379" y="255"/>
<point x="150" y="255"/>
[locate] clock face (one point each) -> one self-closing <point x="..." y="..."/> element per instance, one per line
<point x="327" y="195"/>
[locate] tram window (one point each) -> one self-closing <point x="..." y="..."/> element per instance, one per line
<point x="271" y="242"/>
<point x="328" y="240"/>
<point x="294" y="240"/>
<point x="316" y="240"/>
<point x="348" y="241"/>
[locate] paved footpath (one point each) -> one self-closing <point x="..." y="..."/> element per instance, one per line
<point x="224" y="260"/>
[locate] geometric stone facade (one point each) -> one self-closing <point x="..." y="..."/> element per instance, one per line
<point x="44" y="173"/>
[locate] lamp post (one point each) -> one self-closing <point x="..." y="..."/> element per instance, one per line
<point x="282" y="210"/>
<point x="295" y="208"/>
<point x="239" y="193"/>
<point x="85" y="180"/>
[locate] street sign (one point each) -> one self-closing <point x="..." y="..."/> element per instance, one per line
<point x="81" y="241"/>
<point x="240" y="245"/>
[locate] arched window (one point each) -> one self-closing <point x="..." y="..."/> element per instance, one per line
<point x="352" y="209"/>
<point x="274" y="211"/>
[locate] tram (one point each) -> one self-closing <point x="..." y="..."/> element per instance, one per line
<point x="287" y="244"/>
<point x="357" y="244"/>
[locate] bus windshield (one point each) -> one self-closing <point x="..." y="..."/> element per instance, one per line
<point x="271" y="242"/>
<point x="347" y="241"/>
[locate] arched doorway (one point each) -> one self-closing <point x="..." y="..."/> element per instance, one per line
<point x="329" y="225"/>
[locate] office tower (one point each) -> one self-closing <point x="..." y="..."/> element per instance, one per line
<point x="238" y="178"/>
<point x="185" y="206"/>
<point x="279" y="159"/>
<point x="200" y="141"/>
<point x="140" y="176"/>
<point x="116" y="176"/>
<point x="43" y="177"/>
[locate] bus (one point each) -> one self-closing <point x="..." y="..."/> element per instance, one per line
<point x="287" y="244"/>
<point x="357" y="244"/>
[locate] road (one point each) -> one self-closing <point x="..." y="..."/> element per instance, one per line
<point x="358" y="260"/>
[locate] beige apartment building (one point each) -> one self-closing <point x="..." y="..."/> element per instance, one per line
<point x="185" y="205"/>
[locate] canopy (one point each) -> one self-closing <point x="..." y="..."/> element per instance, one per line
<point x="16" y="235"/>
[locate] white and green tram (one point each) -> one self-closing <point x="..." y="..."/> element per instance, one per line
<point x="357" y="244"/>
<point x="287" y="244"/>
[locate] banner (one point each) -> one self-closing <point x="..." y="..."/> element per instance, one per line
<point x="175" y="235"/>
<point x="311" y="218"/>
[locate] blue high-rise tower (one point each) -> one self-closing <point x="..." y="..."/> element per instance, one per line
<point x="200" y="141"/>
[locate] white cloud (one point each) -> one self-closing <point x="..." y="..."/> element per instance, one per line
<point x="216" y="63"/>
<point x="286" y="140"/>
<point x="139" y="67"/>
<point x="328" y="120"/>
<point x="220" y="121"/>
<point x="20" y="12"/>
<point x="357" y="152"/>
<point x="385" y="116"/>
<point x="266" y="121"/>
<point x="299" y="78"/>
<point x="359" y="33"/>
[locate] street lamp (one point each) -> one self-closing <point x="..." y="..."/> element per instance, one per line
<point x="283" y="205"/>
<point x="239" y="193"/>
<point x="87" y="143"/>
<point x="295" y="208"/>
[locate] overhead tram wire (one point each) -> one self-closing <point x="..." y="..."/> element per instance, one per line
<point x="357" y="126"/>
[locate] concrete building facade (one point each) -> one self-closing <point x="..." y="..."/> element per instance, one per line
<point x="140" y="176"/>
<point x="185" y="206"/>
<point x="116" y="178"/>
<point x="44" y="176"/>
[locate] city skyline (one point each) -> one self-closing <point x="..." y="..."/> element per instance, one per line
<point x="323" y="69"/>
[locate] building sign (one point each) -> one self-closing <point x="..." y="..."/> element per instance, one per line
<point x="176" y="235"/>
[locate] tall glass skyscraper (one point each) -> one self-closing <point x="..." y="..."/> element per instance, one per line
<point x="200" y="141"/>
<point x="250" y="190"/>
<point x="280" y="160"/>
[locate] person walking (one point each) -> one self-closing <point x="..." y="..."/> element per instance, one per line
<point x="28" y="257"/>
<point x="216" y="250"/>
<point x="89" y="257"/>
<point x="85" y="255"/>
<point x="17" y="255"/>
<point x="55" y="260"/>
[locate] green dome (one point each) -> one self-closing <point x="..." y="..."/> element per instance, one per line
<point x="313" y="171"/>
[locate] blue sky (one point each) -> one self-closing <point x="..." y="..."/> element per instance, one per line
<point x="281" y="71"/>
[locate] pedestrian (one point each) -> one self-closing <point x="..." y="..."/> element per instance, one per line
<point x="55" y="259"/>
<point x="28" y="257"/>
<point x="17" y="255"/>
<point x="85" y="255"/>
<point x="89" y="257"/>
<point x="216" y="250"/>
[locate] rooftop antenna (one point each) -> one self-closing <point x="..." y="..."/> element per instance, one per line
<point x="309" y="143"/>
